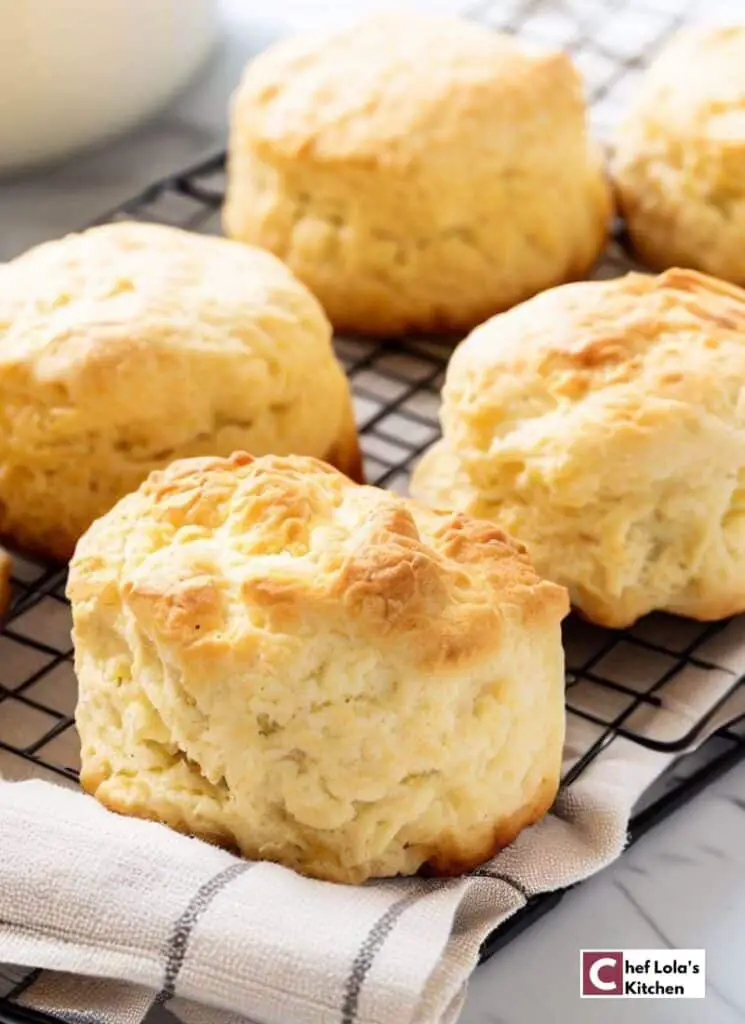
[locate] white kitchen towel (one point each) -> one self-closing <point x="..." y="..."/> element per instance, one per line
<point x="146" y="916"/>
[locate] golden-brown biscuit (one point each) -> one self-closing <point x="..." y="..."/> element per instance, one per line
<point x="679" y="163"/>
<point x="129" y="345"/>
<point x="316" y="673"/>
<point x="416" y="172"/>
<point x="603" y="424"/>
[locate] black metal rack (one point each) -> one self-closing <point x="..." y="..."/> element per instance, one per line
<point x="619" y="684"/>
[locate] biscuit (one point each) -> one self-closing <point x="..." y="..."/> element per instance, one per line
<point x="680" y="154"/>
<point x="603" y="424"/>
<point x="130" y="345"/>
<point x="313" y="672"/>
<point x="416" y="172"/>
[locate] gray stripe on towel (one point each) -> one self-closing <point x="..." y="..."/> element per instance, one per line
<point x="178" y="943"/>
<point x="486" y="873"/>
<point x="367" y="953"/>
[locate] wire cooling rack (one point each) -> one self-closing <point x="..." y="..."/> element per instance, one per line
<point x="620" y="685"/>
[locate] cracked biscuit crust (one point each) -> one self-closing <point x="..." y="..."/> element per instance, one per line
<point x="313" y="672"/>
<point x="416" y="172"/>
<point x="680" y="154"/>
<point x="130" y="345"/>
<point x="603" y="424"/>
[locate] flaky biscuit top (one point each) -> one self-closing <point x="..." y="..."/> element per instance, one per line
<point x="363" y="96"/>
<point x="215" y="555"/>
<point x="597" y="364"/>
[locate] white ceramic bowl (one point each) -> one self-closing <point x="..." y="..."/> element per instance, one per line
<point x="73" y="72"/>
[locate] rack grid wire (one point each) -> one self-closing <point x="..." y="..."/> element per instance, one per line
<point x="618" y="683"/>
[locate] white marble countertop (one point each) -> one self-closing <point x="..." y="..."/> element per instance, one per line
<point x="681" y="886"/>
<point x="684" y="884"/>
